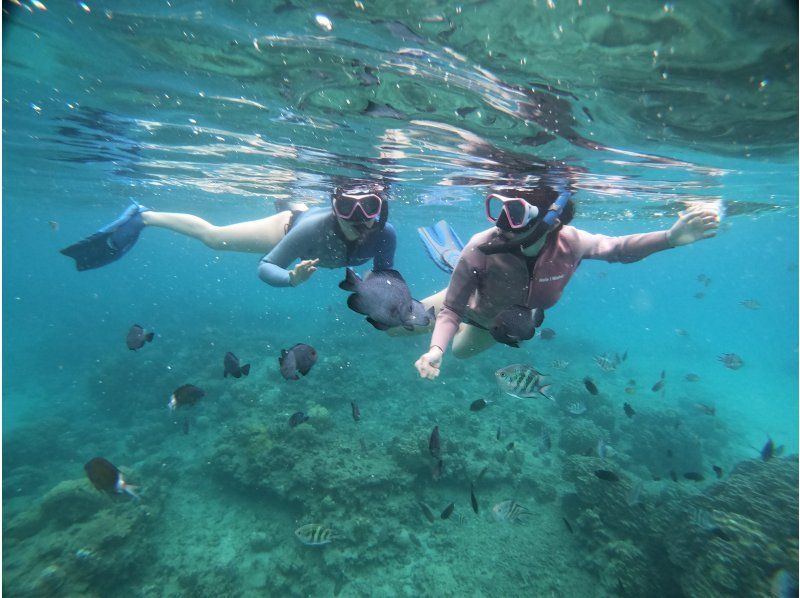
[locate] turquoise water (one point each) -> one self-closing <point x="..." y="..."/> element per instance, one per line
<point x="218" y="110"/>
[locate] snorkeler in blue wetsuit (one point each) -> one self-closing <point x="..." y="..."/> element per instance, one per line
<point x="353" y="230"/>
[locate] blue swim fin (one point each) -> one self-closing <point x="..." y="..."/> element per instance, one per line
<point x="109" y="243"/>
<point x="442" y="244"/>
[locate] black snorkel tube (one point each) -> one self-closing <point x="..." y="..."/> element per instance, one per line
<point x="543" y="226"/>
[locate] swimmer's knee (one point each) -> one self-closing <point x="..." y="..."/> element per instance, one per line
<point x="214" y="239"/>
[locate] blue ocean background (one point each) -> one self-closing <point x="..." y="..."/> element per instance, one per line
<point x="217" y="110"/>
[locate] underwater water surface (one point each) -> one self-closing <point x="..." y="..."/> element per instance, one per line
<point x="219" y="110"/>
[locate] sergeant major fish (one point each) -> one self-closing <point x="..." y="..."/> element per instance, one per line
<point x="315" y="534"/>
<point x="522" y="381"/>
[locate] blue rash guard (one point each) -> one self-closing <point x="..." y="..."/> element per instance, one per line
<point x="315" y="234"/>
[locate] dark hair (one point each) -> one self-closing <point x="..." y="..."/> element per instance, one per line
<point x="542" y="196"/>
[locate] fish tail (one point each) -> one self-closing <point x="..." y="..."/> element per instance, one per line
<point x="246" y="369"/>
<point x="543" y="390"/>
<point x="131" y="491"/>
<point x="149" y="337"/>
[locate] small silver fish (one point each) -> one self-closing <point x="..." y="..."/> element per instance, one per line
<point x="314" y="534"/>
<point x="604" y="363"/>
<point x="731" y="361"/>
<point x="509" y="511"/>
<point x="577" y="408"/>
<point x="560" y="364"/>
<point x="522" y="381"/>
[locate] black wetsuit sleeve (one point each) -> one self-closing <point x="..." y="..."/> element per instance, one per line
<point x="273" y="266"/>
<point x="385" y="249"/>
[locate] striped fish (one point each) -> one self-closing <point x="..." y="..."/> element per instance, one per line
<point x="315" y="534"/>
<point x="522" y="381"/>
<point x="509" y="510"/>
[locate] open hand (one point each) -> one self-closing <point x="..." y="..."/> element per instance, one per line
<point x="694" y="224"/>
<point x="302" y="272"/>
<point x="429" y="364"/>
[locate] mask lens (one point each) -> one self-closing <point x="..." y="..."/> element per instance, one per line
<point x="517" y="211"/>
<point x="494" y="208"/>
<point x="344" y="206"/>
<point x="371" y="204"/>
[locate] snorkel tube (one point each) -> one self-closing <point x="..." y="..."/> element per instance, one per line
<point x="543" y="225"/>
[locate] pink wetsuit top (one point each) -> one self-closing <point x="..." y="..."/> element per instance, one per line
<point x="484" y="285"/>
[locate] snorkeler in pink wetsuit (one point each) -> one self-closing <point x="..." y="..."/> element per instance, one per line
<point x="527" y="259"/>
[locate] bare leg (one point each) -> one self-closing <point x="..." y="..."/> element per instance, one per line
<point x="255" y="236"/>
<point x="471" y="340"/>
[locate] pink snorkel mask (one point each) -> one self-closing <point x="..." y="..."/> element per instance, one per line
<point x="509" y="213"/>
<point x="357" y="207"/>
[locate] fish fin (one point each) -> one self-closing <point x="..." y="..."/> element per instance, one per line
<point x="389" y="273"/>
<point x="379" y="325"/>
<point x="149" y="337"/>
<point x="351" y="281"/>
<point x="409" y="327"/>
<point x="246" y="369"/>
<point x="284" y="353"/>
<point x="544" y="390"/>
<point x="355" y="303"/>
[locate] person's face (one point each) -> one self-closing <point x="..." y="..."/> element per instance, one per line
<point x="352" y="231"/>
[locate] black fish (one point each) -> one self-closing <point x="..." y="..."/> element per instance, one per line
<point x="479" y="404"/>
<point x="137" y="337"/>
<point x="673" y="475"/>
<point x="515" y="324"/>
<point x="188" y="394"/>
<point x="473" y="500"/>
<point x="462" y="112"/>
<point x="232" y="367"/>
<point x="694" y="476"/>
<point x="426" y="510"/>
<point x="608" y="476"/>
<point x="437" y="471"/>
<point x="297" y="361"/>
<point x="539" y="139"/>
<point x="448" y="510"/>
<point x="106" y="477"/>
<point x="658" y="385"/>
<point x="717" y="470"/>
<point x="569" y="527"/>
<point x="499" y="432"/>
<point x="435" y="443"/>
<point x="383" y="111"/>
<point x="628" y="410"/>
<point x="355" y="410"/>
<point x="297" y="419"/>
<point x="768" y="451"/>
<point x="590" y="386"/>
<point x="383" y="297"/>
<point x="510" y="446"/>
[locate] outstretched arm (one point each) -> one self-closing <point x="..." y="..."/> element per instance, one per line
<point x="694" y="224"/>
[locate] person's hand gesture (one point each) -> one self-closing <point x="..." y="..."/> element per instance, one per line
<point x="302" y="271"/>
<point x="429" y="363"/>
<point x="694" y="224"/>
